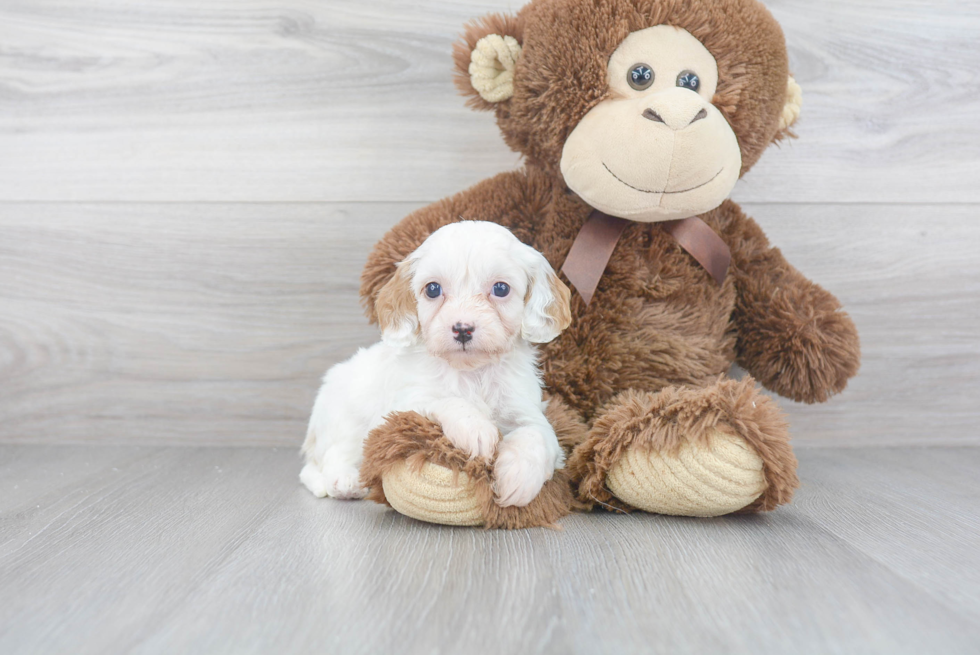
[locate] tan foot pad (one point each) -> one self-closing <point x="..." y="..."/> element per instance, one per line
<point x="411" y="466"/>
<point x="432" y="495"/>
<point x="699" y="479"/>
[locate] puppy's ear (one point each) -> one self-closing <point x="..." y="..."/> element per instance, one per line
<point x="397" y="309"/>
<point x="546" y="307"/>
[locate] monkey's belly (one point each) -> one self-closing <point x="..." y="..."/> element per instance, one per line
<point x="659" y="345"/>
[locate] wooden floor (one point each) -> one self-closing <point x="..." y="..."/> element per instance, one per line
<point x="107" y="549"/>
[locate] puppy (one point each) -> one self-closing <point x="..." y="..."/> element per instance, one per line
<point x="457" y="322"/>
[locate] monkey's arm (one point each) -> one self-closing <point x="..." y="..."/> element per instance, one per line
<point x="496" y="199"/>
<point x="793" y="335"/>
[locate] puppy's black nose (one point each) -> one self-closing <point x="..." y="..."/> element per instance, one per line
<point x="463" y="333"/>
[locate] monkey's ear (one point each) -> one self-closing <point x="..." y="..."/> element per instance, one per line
<point x="485" y="57"/>
<point x="792" y="108"/>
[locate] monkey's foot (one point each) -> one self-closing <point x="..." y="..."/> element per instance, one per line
<point x="688" y="452"/>
<point x="411" y="466"/>
<point x="433" y="493"/>
<point x="719" y="476"/>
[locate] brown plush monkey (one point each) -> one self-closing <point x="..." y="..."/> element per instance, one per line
<point x="649" y="111"/>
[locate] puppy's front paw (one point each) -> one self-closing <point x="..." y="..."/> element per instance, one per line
<point x="472" y="434"/>
<point x="341" y="482"/>
<point x="522" y="468"/>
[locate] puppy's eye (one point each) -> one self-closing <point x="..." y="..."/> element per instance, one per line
<point x="501" y="289"/>
<point x="640" y="77"/>
<point x="689" y="80"/>
<point x="432" y="290"/>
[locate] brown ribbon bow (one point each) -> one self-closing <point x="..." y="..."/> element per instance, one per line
<point x="597" y="239"/>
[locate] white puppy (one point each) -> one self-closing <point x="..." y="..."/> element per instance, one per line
<point x="456" y="321"/>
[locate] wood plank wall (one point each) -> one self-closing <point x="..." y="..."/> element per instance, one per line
<point x="188" y="191"/>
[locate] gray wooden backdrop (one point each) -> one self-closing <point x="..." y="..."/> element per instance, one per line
<point x="188" y="191"/>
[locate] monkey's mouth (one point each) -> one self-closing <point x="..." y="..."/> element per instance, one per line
<point x="664" y="191"/>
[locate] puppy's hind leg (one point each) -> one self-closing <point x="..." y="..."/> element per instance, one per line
<point x="334" y="443"/>
<point x="333" y="464"/>
<point x="334" y="479"/>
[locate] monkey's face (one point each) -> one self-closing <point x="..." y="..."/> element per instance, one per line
<point x="649" y="110"/>
<point x="655" y="148"/>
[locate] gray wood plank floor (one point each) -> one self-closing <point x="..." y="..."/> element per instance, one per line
<point x="219" y="550"/>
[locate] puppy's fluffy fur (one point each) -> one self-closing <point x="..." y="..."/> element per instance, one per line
<point x="457" y="323"/>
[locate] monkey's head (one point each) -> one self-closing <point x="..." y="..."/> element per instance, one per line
<point x="650" y="110"/>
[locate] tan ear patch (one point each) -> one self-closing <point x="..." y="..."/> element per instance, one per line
<point x="491" y="67"/>
<point x="793" y="106"/>
<point x="396" y="301"/>
<point x="560" y="310"/>
<point x="505" y="26"/>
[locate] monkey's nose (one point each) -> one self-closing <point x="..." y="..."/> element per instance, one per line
<point x="651" y="115"/>
<point x="463" y="333"/>
<point x="676" y="109"/>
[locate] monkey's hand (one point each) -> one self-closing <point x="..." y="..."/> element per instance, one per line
<point x="793" y="335"/>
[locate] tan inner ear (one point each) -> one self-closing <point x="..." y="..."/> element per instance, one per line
<point x="793" y="106"/>
<point x="560" y="310"/>
<point x="396" y="300"/>
<point x="492" y="65"/>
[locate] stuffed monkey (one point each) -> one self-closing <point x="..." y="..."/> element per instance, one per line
<point x="635" y="119"/>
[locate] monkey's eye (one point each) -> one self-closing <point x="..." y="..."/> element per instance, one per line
<point x="640" y="77"/>
<point x="432" y="290"/>
<point x="689" y="80"/>
<point x="501" y="289"/>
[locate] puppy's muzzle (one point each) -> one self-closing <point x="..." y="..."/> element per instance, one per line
<point x="463" y="333"/>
